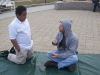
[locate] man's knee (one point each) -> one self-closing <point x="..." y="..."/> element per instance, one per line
<point x="48" y="55"/>
<point x="75" y="58"/>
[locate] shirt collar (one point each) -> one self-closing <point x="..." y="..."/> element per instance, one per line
<point x="19" y="20"/>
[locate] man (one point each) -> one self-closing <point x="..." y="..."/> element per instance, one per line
<point x="20" y="36"/>
<point x="0" y="9"/>
<point x="96" y="3"/>
<point x="67" y="43"/>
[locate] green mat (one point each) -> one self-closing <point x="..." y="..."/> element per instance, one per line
<point x="88" y="64"/>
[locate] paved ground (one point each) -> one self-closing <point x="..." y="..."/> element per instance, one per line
<point x="7" y="14"/>
<point x="44" y="27"/>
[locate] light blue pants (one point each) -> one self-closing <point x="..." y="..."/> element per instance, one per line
<point x="62" y="62"/>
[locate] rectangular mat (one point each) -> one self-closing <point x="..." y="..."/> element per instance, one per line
<point x="88" y="64"/>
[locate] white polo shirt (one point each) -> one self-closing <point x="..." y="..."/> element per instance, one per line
<point x="21" y="32"/>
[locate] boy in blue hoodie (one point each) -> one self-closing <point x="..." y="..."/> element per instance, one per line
<point x="67" y="44"/>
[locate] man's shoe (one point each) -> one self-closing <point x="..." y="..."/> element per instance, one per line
<point x="71" y="67"/>
<point x="51" y="64"/>
<point x="93" y="10"/>
<point x="4" y="53"/>
<point x="12" y="50"/>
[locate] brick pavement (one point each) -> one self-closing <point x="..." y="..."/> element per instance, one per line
<point x="44" y="27"/>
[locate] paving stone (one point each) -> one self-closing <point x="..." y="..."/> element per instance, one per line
<point x="44" y="27"/>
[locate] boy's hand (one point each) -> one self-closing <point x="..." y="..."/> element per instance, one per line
<point x="15" y="44"/>
<point x="18" y="49"/>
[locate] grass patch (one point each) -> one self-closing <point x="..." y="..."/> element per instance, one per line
<point x="33" y="2"/>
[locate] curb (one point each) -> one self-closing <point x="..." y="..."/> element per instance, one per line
<point x="41" y="4"/>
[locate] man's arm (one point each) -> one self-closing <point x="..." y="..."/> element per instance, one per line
<point x="59" y="36"/>
<point x="72" y="49"/>
<point x="14" y="42"/>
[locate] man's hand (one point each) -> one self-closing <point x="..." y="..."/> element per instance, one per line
<point x="54" y="55"/>
<point x="54" y="41"/>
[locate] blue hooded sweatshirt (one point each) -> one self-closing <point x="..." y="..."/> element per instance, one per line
<point x="71" y="40"/>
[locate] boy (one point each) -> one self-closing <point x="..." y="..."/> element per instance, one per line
<point x="20" y="36"/>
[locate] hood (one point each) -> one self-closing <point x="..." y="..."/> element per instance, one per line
<point x="67" y="26"/>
